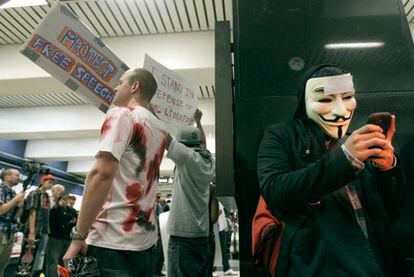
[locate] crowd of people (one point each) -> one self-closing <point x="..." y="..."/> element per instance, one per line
<point x="46" y="222"/>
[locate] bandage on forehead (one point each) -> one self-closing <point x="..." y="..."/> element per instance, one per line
<point x="338" y="84"/>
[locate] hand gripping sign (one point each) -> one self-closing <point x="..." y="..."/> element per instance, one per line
<point x="64" y="47"/>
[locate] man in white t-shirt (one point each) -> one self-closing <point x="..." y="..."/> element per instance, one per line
<point x="188" y="222"/>
<point x="117" y="216"/>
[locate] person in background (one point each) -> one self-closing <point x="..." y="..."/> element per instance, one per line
<point x="71" y="200"/>
<point x="188" y="222"/>
<point x="117" y="213"/>
<point x="36" y="228"/>
<point x="10" y="203"/>
<point x="159" y="252"/>
<point x="224" y="231"/>
<point x="56" y="191"/>
<point x="213" y="208"/>
<point x="62" y="219"/>
<point x="164" y="205"/>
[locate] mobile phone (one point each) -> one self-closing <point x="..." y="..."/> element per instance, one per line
<point x="382" y="119"/>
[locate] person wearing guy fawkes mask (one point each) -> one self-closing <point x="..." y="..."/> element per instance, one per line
<point x="337" y="199"/>
<point x="188" y="223"/>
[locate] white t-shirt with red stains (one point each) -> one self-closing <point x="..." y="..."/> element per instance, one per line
<point x="137" y="139"/>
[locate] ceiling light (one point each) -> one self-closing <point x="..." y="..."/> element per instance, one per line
<point x="354" y="45"/>
<point x="21" y="3"/>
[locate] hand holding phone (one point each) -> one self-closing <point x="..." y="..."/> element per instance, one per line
<point x="385" y="159"/>
<point x="368" y="143"/>
<point x="382" y="119"/>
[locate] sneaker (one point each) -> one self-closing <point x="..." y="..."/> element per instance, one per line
<point x="215" y="274"/>
<point x="230" y="272"/>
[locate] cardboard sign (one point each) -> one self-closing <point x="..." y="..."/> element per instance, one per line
<point x="175" y="101"/>
<point x="64" y="47"/>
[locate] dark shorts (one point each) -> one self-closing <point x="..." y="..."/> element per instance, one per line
<point x="120" y="263"/>
<point x="188" y="256"/>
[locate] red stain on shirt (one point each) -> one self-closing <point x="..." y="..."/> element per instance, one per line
<point x="154" y="166"/>
<point x="138" y="142"/>
<point x="133" y="194"/>
<point x="132" y="218"/>
<point x="153" y="171"/>
<point x="138" y="136"/>
<point x="106" y="126"/>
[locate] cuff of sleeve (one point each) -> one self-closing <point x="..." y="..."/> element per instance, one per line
<point x="357" y="164"/>
<point x="394" y="163"/>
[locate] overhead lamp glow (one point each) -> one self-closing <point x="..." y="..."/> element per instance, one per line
<point x="22" y="3"/>
<point x="354" y="45"/>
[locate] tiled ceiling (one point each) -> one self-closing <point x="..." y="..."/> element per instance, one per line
<point x="114" y="18"/>
<point x="67" y="99"/>
<point x="41" y="99"/>
<point x="409" y="10"/>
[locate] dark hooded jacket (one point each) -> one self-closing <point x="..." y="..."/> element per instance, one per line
<point x="303" y="184"/>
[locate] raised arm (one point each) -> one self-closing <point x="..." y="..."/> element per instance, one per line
<point x="4" y="208"/>
<point x="197" y="118"/>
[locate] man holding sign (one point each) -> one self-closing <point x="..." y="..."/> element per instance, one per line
<point x="188" y="224"/>
<point x="117" y="217"/>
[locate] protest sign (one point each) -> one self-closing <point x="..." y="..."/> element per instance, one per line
<point x="176" y="98"/>
<point x="68" y="50"/>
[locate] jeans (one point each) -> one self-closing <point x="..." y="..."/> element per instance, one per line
<point x="188" y="256"/>
<point x="39" y="261"/>
<point x="212" y="254"/>
<point x="6" y="245"/>
<point x="224" y="254"/>
<point x="56" y="248"/>
<point x="159" y="256"/>
<point x="121" y="263"/>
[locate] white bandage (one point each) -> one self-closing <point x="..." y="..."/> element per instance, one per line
<point x="339" y="84"/>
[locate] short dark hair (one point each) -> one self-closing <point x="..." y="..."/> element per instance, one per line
<point x="63" y="195"/>
<point x="147" y="82"/>
<point x="72" y="197"/>
<point x="6" y="172"/>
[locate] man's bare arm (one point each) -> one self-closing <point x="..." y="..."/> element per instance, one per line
<point x="32" y="226"/>
<point x="13" y="202"/>
<point x="97" y="186"/>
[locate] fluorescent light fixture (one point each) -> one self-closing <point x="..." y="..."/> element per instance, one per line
<point x="21" y="3"/>
<point x="372" y="44"/>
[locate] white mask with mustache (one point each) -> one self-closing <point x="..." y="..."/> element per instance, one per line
<point x="331" y="110"/>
